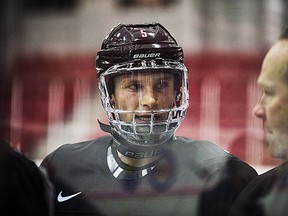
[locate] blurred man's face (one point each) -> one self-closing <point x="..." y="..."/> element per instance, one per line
<point x="272" y="107"/>
<point x="148" y="91"/>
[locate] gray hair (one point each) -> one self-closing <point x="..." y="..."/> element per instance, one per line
<point x="284" y="36"/>
<point x="284" y="33"/>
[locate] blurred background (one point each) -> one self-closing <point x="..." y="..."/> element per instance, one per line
<point x="48" y="88"/>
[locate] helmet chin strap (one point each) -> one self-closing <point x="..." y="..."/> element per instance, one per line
<point x="133" y="151"/>
<point x="104" y="127"/>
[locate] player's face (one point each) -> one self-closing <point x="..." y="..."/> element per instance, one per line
<point x="272" y="107"/>
<point x="148" y="91"/>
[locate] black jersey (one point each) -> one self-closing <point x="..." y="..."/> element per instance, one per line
<point x="265" y="195"/>
<point x="192" y="178"/>
<point x="24" y="189"/>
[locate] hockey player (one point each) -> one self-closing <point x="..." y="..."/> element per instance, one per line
<point x="141" y="167"/>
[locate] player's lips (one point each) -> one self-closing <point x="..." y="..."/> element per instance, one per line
<point x="146" y="118"/>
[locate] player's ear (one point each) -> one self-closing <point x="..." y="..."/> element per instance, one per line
<point x="178" y="96"/>
<point x="112" y="101"/>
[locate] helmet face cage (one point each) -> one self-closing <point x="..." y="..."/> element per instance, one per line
<point x="154" y="130"/>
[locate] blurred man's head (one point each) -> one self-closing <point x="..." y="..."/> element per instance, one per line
<point x="272" y="107"/>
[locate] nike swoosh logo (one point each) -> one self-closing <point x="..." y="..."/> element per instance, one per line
<point x="61" y="198"/>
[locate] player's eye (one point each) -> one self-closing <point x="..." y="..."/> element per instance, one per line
<point x="134" y="86"/>
<point x="161" y="85"/>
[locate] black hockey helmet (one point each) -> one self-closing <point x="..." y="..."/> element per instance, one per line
<point x="137" y="41"/>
